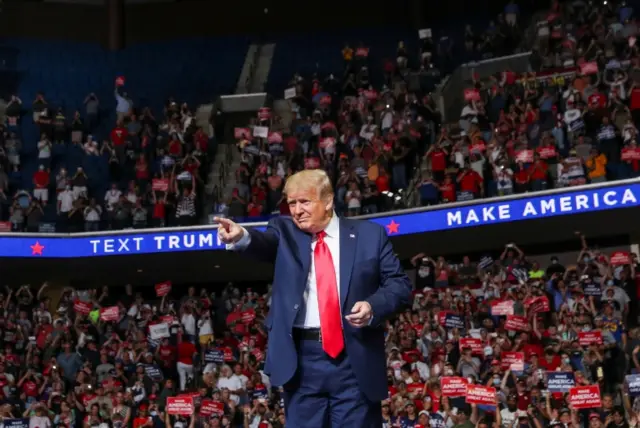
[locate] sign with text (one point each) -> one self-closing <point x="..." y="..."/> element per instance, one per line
<point x="210" y="407"/>
<point x="585" y="397"/>
<point x="82" y="307"/>
<point x="504" y="307"/>
<point x="516" y="323"/>
<point x="159" y="331"/>
<point x="453" y="386"/>
<point x="180" y="406"/>
<point x="453" y="321"/>
<point x="478" y="394"/>
<point x="537" y="304"/>
<point x="528" y="206"/>
<point x="633" y="383"/>
<point x="163" y="288"/>
<point x="620" y="258"/>
<point x="112" y="313"/>
<point x="560" y="381"/>
<point x="588" y="338"/>
<point x="160" y="184"/>
<point x="512" y="360"/>
<point x="474" y="344"/>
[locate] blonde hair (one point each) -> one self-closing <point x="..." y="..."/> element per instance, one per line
<point x="308" y="179"/>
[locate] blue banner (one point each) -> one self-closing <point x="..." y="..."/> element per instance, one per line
<point x="560" y="381"/>
<point x="430" y="220"/>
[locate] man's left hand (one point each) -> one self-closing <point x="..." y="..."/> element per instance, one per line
<point x="360" y="315"/>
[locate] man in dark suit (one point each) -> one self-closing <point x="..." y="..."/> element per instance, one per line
<point x="336" y="281"/>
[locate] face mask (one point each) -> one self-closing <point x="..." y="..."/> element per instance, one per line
<point x="496" y="381"/>
<point x="448" y="372"/>
<point x="586" y="259"/>
<point x="567" y="361"/>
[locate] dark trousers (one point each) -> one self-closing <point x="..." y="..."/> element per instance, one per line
<point x="324" y="392"/>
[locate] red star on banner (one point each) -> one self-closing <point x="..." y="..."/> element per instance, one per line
<point x="36" y="249"/>
<point x="392" y="227"/>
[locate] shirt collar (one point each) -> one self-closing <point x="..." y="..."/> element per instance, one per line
<point x="333" y="228"/>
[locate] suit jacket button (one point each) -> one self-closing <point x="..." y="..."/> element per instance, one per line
<point x="295" y="307"/>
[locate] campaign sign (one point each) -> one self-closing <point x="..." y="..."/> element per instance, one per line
<point x="154" y="373"/>
<point x="585" y="397"/>
<point x="633" y="382"/>
<point x="592" y="289"/>
<point x="112" y="313"/>
<point x="560" y="381"/>
<point x="214" y="356"/>
<point x="453" y="386"/>
<point x="512" y="360"/>
<point x="180" y="406"/>
<point x="588" y="338"/>
<point x="516" y="323"/>
<point x="537" y="304"/>
<point x="478" y="394"/>
<point x="210" y="407"/>
<point x="502" y="308"/>
<point x="163" y="288"/>
<point x="453" y="321"/>
<point x="15" y="423"/>
<point x="476" y="345"/>
<point x="82" y="307"/>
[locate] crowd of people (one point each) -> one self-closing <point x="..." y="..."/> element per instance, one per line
<point x="496" y="343"/>
<point x="143" y="172"/>
<point x="573" y="121"/>
<point x="383" y="142"/>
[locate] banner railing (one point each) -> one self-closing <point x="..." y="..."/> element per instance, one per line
<point x="450" y="207"/>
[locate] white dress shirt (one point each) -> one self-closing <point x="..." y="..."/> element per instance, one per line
<point x="309" y="315"/>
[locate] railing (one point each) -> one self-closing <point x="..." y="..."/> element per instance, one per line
<point x="252" y="69"/>
<point x="450" y="207"/>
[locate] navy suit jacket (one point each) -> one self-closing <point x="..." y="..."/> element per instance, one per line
<point x="369" y="271"/>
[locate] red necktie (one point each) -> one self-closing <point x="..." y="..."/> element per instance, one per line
<point x="328" y="304"/>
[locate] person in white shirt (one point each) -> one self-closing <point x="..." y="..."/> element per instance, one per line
<point x="65" y="201"/>
<point x="353" y="198"/>
<point x="92" y="215"/>
<point x="503" y="176"/>
<point x="44" y="149"/>
<point x="112" y="197"/>
<point x="231" y="382"/>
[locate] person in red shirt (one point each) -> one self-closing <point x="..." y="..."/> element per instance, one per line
<point x="166" y="353"/>
<point x="28" y="384"/>
<point x="448" y="190"/>
<point x="119" y="140"/>
<point x="41" y="184"/>
<point x="521" y="178"/>
<point x="438" y="157"/>
<point x="119" y="135"/>
<point x="551" y="361"/>
<point x="470" y="181"/>
<point x="159" y="209"/>
<point x="201" y="140"/>
<point x="186" y="351"/>
<point x="254" y="209"/>
<point x="538" y="173"/>
<point x="143" y="419"/>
